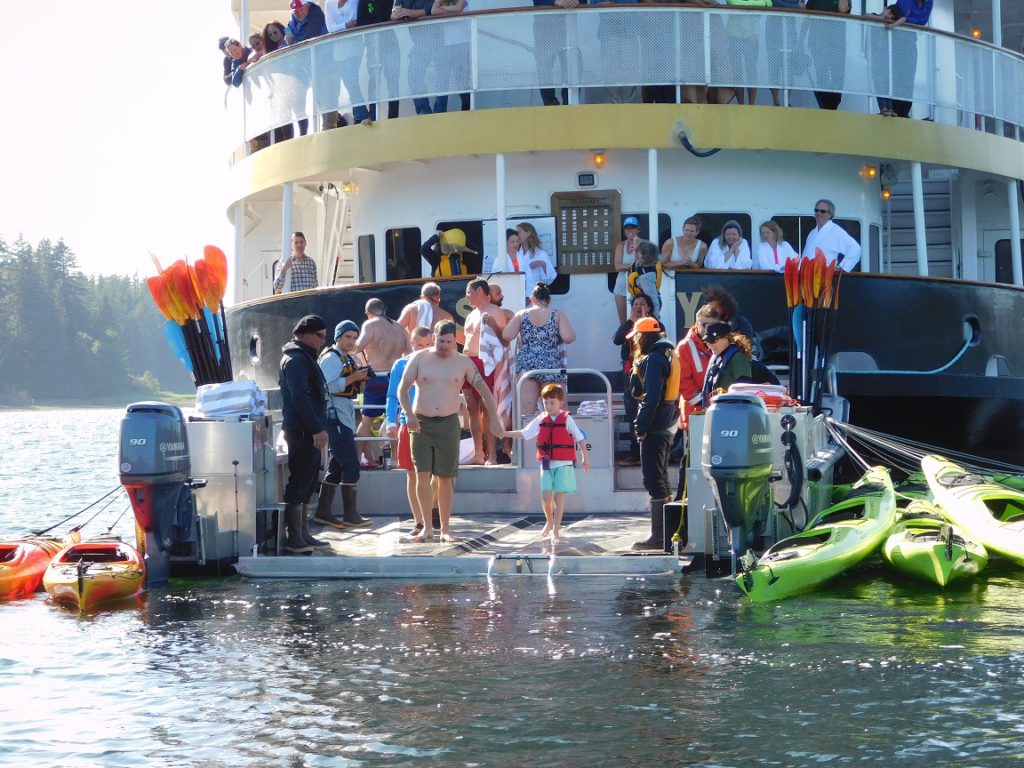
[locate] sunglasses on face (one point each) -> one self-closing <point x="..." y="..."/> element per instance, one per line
<point x="821" y="210"/>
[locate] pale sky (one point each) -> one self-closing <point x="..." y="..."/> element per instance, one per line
<point x="113" y="132"/>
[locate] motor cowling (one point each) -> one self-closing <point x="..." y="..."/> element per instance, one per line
<point x="736" y="459"/>
<point x="154" y="467"/>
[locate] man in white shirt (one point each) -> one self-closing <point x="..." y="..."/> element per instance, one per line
<point x="833" y="240"/>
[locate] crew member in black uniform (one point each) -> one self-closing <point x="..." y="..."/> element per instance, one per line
<point x="654" y="383"/>
<point x="304" y="406"/>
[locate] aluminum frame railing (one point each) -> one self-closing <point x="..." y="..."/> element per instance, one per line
<point x="958" y="80"/>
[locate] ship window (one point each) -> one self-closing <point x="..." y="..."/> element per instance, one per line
<point x="797" y="228"/>
<point x="402" y="253"/>
<point x="365" y="257"/>
<point x="711" y="226"/>
<point x="663" y="234"/>
<point x="1004" y="261"/>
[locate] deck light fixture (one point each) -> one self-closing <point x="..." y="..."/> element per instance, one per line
<point x="976" y="33"/>
<point x="347" y="187"/>
<point x="869" y="172"/>
<point x="886" y="194"/>
<point x="600" y="158"/>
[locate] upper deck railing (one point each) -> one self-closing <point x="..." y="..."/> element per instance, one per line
<point x="502" y="58"/>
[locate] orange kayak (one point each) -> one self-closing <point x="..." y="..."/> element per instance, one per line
<point x="23" y="563"/>
<point x="83" y="576"/>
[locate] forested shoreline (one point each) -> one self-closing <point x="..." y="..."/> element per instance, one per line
<point x="69" y="337"/>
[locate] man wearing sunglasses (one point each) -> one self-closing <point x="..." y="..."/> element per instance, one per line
<point x="833" y="240"/>
<point x="304" y="424"/>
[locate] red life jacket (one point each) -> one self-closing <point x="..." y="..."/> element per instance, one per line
<point x="554" y="441"/>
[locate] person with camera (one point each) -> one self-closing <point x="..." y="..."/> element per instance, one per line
<point x="345" y="379"/>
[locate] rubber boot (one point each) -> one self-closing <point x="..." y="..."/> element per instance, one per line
<point x="656" y="540"/>
<point x="294" y="542"/>
<point x="310" y="540"/>
<point x="323" y="506"/>
<point x="352" y="517"/>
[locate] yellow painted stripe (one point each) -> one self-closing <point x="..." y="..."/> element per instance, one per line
<point x="623" y="126"/>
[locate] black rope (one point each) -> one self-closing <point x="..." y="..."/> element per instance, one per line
<point x="118" y="519"/>
<point x="76" y="514"/>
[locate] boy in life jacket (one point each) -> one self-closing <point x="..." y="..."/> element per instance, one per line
<point x="644" y="275"/>
<point x="558" y="439"/>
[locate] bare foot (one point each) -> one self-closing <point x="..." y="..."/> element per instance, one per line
<point x="416" y="530"/>
<point x="547" y="530"/>
<point x="477" y="459"/>
<point x="554" y="537"/>
<point x="424" y="535"/>
<point x="446" y="538"/>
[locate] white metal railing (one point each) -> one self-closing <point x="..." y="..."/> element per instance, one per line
<point x="503" y="58"/>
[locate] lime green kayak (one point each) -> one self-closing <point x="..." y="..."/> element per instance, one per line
<point x="926" y="546"/>
<point x="987" y="512"/>
<point x="835" y="540"/>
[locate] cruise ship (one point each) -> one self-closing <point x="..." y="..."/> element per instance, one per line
<point x="573" y="119"/>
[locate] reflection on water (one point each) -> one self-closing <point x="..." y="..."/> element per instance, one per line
<point x="508" y="672"/>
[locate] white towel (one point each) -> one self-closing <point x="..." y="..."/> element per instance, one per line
<point x="424" y="313"/>
<point x="492" y="351"/>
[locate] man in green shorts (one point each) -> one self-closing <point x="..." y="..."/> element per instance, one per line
<point x="439" y="374"/>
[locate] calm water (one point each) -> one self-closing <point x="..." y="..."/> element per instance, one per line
<point x="517" y="672"/>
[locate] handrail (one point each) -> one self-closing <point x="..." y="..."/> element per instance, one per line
<point x="516" y="52"/>
<point x="564" y="372"/>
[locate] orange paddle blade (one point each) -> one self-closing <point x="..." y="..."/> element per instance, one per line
<point x="791" y="274"/>
<point x="807" y="281"/>
<point x="820" y="263"/>
<point x="205" y="285"/>
<point x="830" y="272"/>
<point x="158" y="290"/>
<point x="218" y="265"/>
<point x="179" y="279"/>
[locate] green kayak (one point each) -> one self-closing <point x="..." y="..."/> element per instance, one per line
<point x="926" y="546"/>
<point x="835" y="540"/>
<point x="987" y="512"/>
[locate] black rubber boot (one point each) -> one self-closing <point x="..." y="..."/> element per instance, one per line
<point x="655" y="541"/>
<point x="294" y="542"/>
<point x="352" y="517"/>
<point x="310" y="540"/>
<point x="324" y="514"/>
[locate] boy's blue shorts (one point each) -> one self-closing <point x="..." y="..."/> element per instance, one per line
<point x="558" y="480"/>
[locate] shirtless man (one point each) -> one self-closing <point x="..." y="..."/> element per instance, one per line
<point x="425" y="311"/>
<point x="504" y="448"/>
<point x="439" y="374"/>
<point x="485" y="347"/>
<point x="382" y="341"/>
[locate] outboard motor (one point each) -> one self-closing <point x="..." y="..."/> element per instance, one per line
<point x="153" y="462"/>
<point x="736" y="459"/>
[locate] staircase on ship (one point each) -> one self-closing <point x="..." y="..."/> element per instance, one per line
<point x="899" y="240"/>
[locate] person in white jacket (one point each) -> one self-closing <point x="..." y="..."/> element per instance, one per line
<point x="730" y="251"/>
<point x="773" y="251"/>
<point x="834" y="241"/>
<point x="534" y="260"/>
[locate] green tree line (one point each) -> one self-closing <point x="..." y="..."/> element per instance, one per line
<point x="65" y="336"/>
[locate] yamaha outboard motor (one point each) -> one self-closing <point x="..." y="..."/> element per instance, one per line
<point x="736" y="459"/>
<point x="154" y="467"/>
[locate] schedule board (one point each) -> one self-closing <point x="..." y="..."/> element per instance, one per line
<point x="587" y="230"/>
